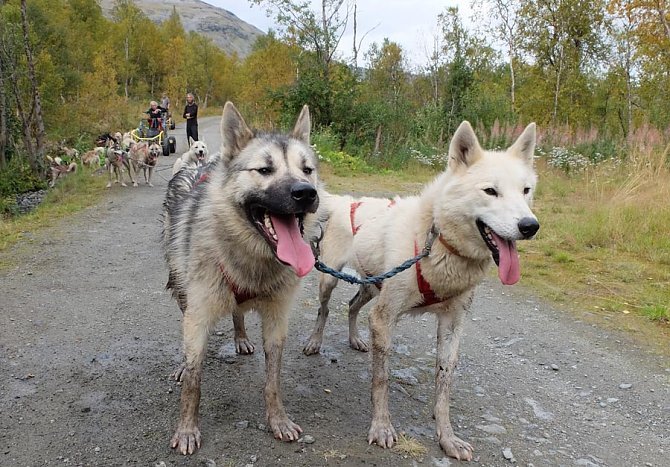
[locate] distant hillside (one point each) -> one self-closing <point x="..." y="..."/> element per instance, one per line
<point x="224" y="28"/>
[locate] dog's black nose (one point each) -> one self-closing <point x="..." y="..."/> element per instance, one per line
<point x="304" y="194"/>
<point x="528" y="226"/>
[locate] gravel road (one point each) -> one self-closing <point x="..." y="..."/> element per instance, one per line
<point x="89" y="337"/>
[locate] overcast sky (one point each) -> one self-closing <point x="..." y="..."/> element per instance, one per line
<point x="410" y="23"/>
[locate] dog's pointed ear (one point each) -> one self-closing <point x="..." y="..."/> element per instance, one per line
<point x="190" y="141"/>
<point x="235" y="134"/>
<point x="524" y="146"/>
<point x="302" y="126"/>
<point x="464" y="149"/>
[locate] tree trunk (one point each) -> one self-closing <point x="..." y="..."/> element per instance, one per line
<point x="37" y="158"/>
<point x="4" y="134"/>
<point x="378" y="140"/>
<point x="355" y="47"/>
<point x="511" y="75"/>
<point x="629" y="95"/>
<point x="127" y="55"/>
<point x="25" y="122"/>
<point x="661" y="13"/>
<point x="557" y="88"/>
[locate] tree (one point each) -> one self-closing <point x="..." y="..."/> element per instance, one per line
<point x="317" y="32"/>
<point x="564" y="38"/>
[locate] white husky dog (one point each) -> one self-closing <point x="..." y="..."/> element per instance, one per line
<point x="196" y="155"/>
<point x="479" y="207"/>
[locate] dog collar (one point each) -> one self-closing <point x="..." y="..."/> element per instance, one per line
<point x="450" y="248"/>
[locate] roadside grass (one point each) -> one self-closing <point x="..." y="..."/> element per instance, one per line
<point x="71" y="194"/>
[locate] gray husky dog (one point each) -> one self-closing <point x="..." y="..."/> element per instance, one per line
<point x="234" y="241"/>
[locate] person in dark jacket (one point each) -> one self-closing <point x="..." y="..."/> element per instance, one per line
<point x="191" y="116"/>
<point x="155" y="116"/>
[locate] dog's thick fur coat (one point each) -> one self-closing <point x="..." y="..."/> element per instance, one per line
<point x="233" y="242"/>
<point x="481" y="206"/>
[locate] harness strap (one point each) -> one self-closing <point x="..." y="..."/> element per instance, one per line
<point x="203" y="178"/>
<point x="241" y="295"/>
<point x="429" y="297"/>
<point x="352" y="217"/>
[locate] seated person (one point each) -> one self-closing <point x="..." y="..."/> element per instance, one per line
<point x="155" y="117"/>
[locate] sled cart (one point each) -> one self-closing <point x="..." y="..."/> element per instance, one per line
<point x="156" y="131"/>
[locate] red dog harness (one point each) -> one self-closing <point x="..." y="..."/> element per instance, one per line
<point x="352" y="214"/>
<point x="241" y="295"/>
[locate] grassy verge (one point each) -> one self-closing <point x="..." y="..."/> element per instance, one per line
<point x="74" y="193"/>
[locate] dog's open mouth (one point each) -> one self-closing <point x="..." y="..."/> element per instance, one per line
<point x="504" y="254"/>
<point x="283" y="232"/>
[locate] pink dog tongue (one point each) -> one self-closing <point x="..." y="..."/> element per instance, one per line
<point x="291" y="248"/>
<point x="509" y="271"/>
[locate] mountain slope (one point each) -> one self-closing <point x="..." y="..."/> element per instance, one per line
<point x="226" y="30"/>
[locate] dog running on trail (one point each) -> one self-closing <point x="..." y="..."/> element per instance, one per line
<point x="234" y="240"/>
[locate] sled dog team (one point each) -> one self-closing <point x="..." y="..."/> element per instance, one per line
<point x="236" y="238"/>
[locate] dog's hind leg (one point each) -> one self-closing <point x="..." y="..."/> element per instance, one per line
<point x="243" y="345"/>
<point x="326" y="285"/>
<point x="275" y="327"/>
<point x="110" y="169"/>
<point x="450" y="324"/>
<point x="364" y="295"/>
<point x="382" y="316"/>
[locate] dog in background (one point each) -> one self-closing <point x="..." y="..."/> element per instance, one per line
<point x="196" y="155"/>
<point x="115" y="161"/>
<point x="58" y="169"/>
<point x="145" y="157"/>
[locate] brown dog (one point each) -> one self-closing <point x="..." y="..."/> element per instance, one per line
<point x="144" y="157"/>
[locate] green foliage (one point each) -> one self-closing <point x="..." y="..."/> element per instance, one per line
<point x="657" y="313"/>
<point x="326" y="147"/>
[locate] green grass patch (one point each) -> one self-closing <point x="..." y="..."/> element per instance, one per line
<point x="657" y="313"/>
<point x="71" y="194"/>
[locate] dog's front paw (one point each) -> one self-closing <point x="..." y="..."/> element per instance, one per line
<point x="243" y="346"/>
<point x="359" y="344"/>
<point x="136" y="184"/>
<point x="150" y="184"/>
<point x="186" y="440"/>
<point x="383" y="434"/>
<point x="284" y="429"/>
<point x="312" y="347"/>
<point x="109" y="185"/>
<point x="455" y="447"/>
<point x="123" y="184"/>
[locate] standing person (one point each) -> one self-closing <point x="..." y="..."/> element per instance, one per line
<point x="191" y="116"/>
<point x="165" y="102"/>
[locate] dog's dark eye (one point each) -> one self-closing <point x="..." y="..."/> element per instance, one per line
<point x="307" y="170"/>
<point x="526" y="190"/>
<point x="264" y="171"/>
<point x="490" y="191"/>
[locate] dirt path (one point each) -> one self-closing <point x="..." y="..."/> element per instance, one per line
<point x="88" y="338"/>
